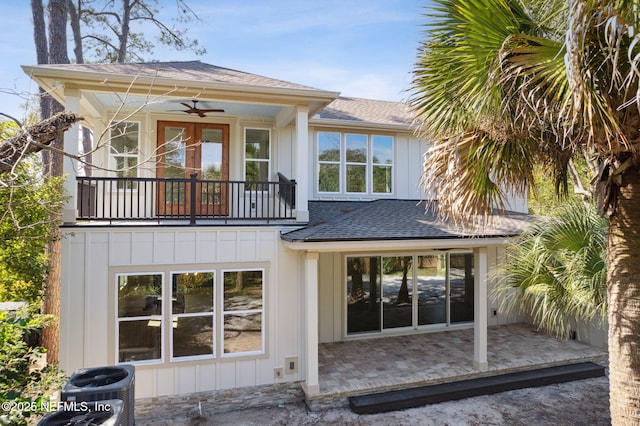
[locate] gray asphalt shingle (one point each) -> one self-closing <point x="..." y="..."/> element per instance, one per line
<point x="196" y="71"/>
<point x="394" y="220"/>
<point x="361" y="110"/>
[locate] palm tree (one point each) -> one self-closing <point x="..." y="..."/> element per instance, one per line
<point x="502" y="85"/>
<point x="556" y="270"/>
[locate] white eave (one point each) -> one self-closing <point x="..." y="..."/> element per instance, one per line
<point x="394" y="244"/>
<point x="51" y="79"/>
<point x="363" y="125"/>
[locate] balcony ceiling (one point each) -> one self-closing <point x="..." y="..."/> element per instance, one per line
<point x="111" y="101"/>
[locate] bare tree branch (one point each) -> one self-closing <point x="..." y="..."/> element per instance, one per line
<point x="34" y="139"/>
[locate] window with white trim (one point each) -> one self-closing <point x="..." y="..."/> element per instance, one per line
<point x="140" y="325"/>
<point x="192" y="314"/>
<point x="354" y="163"/>
<point x="243" y="308"/>
<point x="382" y="164"/>
<point x="187" y="315"/>
<point x="329" y="158"/>
<point x="124" y="151"/>
<point x="257" y="154"/>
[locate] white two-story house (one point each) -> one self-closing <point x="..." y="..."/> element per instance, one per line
<point x="225" y="224"/>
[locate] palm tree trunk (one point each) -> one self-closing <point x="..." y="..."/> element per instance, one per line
<point x="623" y="280"/>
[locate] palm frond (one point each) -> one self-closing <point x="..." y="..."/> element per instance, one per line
<point x="556" y="270"/>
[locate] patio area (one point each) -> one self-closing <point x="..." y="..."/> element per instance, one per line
<point x="380" y="364"/>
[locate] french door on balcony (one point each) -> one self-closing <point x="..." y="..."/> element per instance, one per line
<point x="186" y="149"/>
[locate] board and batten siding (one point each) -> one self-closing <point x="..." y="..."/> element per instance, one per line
<point x="92" y="257"/>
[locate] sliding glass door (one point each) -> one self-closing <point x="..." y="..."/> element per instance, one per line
<point x="363" y="294"/>
<point x="386" y="293"/>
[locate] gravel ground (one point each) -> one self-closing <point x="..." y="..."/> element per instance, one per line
<point x="583" y="402"/>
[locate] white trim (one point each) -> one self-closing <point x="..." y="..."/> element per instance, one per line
<point x="148" y="85"/>
<point x="374" y="246"/>
<point x="343" y="164"/>
<point x="211" y="314"/>
<point x="261" y="311"/>
<point x="480" y="302"/>
<point x="312" y="384"/>
<point x="159" y="317"/>
<point x="70" y="144"/>
<point x="256" y="160"/>
<point x="111" y="157"/>
<point x="381" y="165"/>
<point x="367" y="127"/>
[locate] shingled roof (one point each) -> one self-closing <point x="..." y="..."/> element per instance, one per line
<point x="394" y="220"/>
<point x="183" y="70"/>
<point x="354" y="110"/>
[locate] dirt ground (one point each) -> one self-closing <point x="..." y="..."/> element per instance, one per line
<point x="584" y="402"/>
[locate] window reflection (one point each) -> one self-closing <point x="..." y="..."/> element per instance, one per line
<point x="243" y="303"/>
<point x="193" y="302"/>
<point x="431" y="277"/>
<point x="242" y="332"/>
<point x="192" y="292"/>
<point x="192" y="336"/>
<point x="139" y="317"/>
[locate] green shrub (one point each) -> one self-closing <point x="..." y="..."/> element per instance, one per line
<point x="26" y="387"/>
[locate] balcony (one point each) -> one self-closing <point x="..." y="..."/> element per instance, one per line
<point x="184" y="201"/>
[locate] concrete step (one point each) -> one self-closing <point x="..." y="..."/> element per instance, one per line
<point x="433" y="394"/>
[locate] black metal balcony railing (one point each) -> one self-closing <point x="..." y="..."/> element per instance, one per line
<point x="146" y="199"/>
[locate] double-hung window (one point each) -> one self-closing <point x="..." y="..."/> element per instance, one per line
<point x="123" y="151"/>
<point x="354" y="163"/>
<point x="192" y="314"/>
<point x="382" y="164"/>
<point x="189" y="315"/>
<point x="139" y="320"/>
<point x="329" y="158"/>
<point x="243" y="322"/>
<point x="257" y="146"/>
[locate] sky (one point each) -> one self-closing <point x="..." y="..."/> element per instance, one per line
<point x="359" y="48"/>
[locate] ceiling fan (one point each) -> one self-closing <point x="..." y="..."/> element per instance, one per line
<point x="193" y="109"/>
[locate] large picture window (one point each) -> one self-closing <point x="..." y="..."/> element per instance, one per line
<point x="187" y="315"/>
<point x="124" y="151"/>
<point x="139" y="331"/>
<point x="354" y="163"/>
<point x="385" y="293"/>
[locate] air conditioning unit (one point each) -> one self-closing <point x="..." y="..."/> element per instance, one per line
<point x="101" y="384"/>
<point x="105" y="413"/>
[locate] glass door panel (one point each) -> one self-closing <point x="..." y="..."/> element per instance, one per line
<point x="431" y="289"/>
<point x="172" y="195"/>
<point x="211" y="159"/>
<point x="193" y="148"/>
<point x="461" y="287"/>
<point x="397" y="292"/>
<point x="363" y="294"/>
<point x="213" y="192"/>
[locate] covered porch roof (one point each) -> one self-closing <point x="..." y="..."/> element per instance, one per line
<point x="336" y="225"/>
<point x="161" y="86"/>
